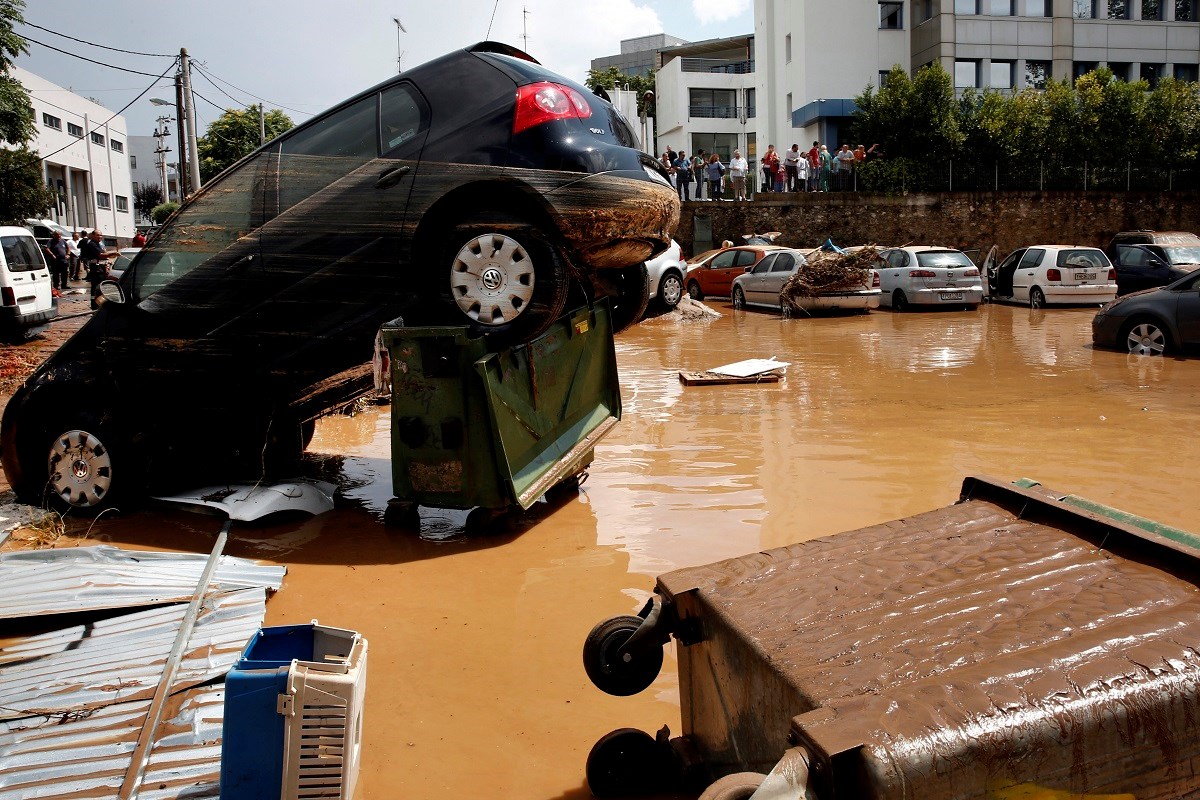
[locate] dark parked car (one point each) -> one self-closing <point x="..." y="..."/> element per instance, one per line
<point x="1152" y="322"/>
<point x="1147" y="259"/>
<point x="478" y="189"/>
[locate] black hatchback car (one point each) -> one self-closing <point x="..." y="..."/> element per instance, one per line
<point x="1153" y="321"/>
<point x="478" y="189"/>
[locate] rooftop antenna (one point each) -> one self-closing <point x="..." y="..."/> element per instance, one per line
<point x="399" y="54"/>
<point x="525" y="28"/>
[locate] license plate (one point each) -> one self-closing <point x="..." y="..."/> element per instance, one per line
<point x="951" y="296"/>
<point x="1085" y="276"/>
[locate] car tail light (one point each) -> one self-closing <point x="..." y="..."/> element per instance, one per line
<point x="7" y="295"/>
<point x="545" y="102"/>
<point x="971" y="273"/>
<point x="1053" y="275"/>
<point x="1112" y="274"/>
<point x="922" y="273"/>
<point x="874" y="279"/>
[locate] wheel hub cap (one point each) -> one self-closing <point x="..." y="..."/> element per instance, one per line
<point x="79" y="468"/>
<point x="492" y="279"/>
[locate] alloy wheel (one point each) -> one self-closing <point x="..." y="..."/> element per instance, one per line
<point x="1146" y="339"/>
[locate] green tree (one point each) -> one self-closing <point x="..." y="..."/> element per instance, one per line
<point x="234" y="135"/>
<point x="160" y="213"/>
<point x="612" y="78"/>
<point x="23" y="191"/>
<point x="1172" y="124"/>
<point x="146" y="197"/>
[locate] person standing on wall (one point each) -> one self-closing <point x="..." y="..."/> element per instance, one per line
<point x="698" y="162"/>
<point x="683" y="176"/>
<point x="814" y="167"/>
<point x="791" y="165"/>
<point x="770" y="163"/>
<point x="716" y="176"/>
<point x="737" y="175"/>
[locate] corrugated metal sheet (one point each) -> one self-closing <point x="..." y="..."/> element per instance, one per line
<point x="87" y="756"/>
<point x="90" y="578"/>
<point x="123" y="658"/>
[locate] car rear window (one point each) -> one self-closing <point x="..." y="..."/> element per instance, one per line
<point x="21" y="253"/>
<point x="1088" y="259"/>
<point x="943" y="258"/>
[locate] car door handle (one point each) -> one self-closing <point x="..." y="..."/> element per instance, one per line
<point x="391" y="177"/>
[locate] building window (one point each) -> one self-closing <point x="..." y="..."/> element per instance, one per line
<point x="1187" y="72"/>
<point x="790" y="107"/>
<point x="997" y="8"/>
<point x="891" y="16"/>
<point x="1000" y="75"/>
<point x="966" y="74"/>
<point x="787" y="49"/>
<point x="51" y="122"/>
<point x="1152" y="9"/>
<point x="117" y="146"/>
<point x="922" y="11"/>
<point x="1185" y="10"/>
<point x="883" y="77"/>
<point x="751" y="104"/>
<point x="966" y="6"/>
<point x="1037" y="74"/>
<point x="133" y="162"/>
<point x="1081" y="68"/>
<point x="75" y="130"/>
<point x="1152" y="72"/>
<point x="1083" y="9"/>
<point x="712" y="103"/>
<point x="1039" y="8"/>
<point x="723" y="144"/>
<point x="102" y="200"/>
<point x="135" y="188"/>
<point x="1118" y="9"/>
<point x="1121" y="70"/>
<point x="98" y="138"/>
<point x="122" y="203"/>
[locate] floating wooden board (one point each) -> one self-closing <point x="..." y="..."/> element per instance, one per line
<point x="713" y="379"/>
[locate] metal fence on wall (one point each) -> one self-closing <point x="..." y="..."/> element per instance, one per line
<point x="973" y="176"/>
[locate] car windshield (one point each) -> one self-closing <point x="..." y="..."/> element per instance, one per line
<point x="21" y="253"/>
<point x="1183" y="255"/>
<point x="943" y="259"/>
<point x="1083" y="259"/>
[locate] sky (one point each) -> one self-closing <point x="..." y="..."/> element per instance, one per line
<point x="303" y="56"/>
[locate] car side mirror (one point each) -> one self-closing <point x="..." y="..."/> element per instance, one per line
<point x="748" y="268"/>
<point x="111" y="292"/>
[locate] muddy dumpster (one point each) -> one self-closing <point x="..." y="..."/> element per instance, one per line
<point x="478" y="427"/>
<point x="1017" y="644"/>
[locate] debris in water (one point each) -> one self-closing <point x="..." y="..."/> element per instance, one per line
<point x="825" y="271"/>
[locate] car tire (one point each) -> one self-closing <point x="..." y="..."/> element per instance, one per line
<point x="503" y="277"/>
<point x="628" y="291"/>
<point x="738" y="786"/>
<point x="899" y="301"/>
<point x="1037" y="298"/>
<point x="739" y="298"/>
<point x="1145" y="336"/>
<point x="670" y="289"/>
<point x="694" y="291"/>
<point x="75" y="462"/>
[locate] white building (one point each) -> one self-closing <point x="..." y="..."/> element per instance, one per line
<point x="815" y="56"/>
<point x="705" y="92"/>
<point x="85" y="159"/>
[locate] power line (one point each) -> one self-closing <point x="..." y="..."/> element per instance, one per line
<point x="219" y="89"/>
<point x="208" y="74"/>
<point x="93" y="61"/>
<point x="93" y="44"/>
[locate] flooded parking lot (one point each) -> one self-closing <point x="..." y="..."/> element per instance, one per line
<point x="476" y="686"/>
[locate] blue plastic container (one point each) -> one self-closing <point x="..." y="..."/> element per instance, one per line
<point x="252" y="746"/>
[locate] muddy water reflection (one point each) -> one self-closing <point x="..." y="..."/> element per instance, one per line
<point x="476" y="687"/>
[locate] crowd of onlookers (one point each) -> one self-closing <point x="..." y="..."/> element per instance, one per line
<point x="814" y="170"/>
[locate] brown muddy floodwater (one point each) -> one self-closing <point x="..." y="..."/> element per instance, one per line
<point x="476" y="685"/>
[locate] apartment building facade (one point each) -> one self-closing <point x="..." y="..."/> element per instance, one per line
<point x="706" y="96"/>
<point x="815" y="56"/>
<point x="85" y="159"/>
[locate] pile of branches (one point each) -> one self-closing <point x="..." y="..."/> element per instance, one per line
<point x="826" y="271"/>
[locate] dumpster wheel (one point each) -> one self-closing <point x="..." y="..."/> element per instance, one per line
<point x="738" y="786"/>
<point x="628" y="763"/>
<point x="616" y="673"/>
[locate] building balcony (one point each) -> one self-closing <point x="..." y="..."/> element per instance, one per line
<point x="720" y="65"/>
<point x="714" y="112"/>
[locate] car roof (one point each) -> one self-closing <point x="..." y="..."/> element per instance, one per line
<point x="1060" y="247"/>
<point x="761" y="248"/>
<point x="924" y="248"/>
<point x="15" y="230"/>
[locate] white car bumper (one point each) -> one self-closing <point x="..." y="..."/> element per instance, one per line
<point x="953" y="295"/>
<point x="1096" y="293"/>
<point x="841" y="300"/>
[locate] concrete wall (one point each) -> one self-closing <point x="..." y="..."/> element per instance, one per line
<point x="963" y="220"/>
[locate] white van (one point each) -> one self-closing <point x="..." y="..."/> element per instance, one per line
<point x="26" y="297"/>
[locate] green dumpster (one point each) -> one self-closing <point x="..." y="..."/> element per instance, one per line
<point x="477" y="426"/>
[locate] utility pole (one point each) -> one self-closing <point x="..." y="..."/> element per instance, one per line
<point x="181" y="171"/>
<point x="262" y="125"/>
<point x="185" y="70"/>
<point x="525" y="28"/>
<point x="161" y="132"/>
<point x="399" y="55"/>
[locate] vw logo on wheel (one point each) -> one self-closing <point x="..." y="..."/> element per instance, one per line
<point x="492" y="279"/>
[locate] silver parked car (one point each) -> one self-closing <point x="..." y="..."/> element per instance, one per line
<point x="761" y="286"/>
<point x="929" y="276"/>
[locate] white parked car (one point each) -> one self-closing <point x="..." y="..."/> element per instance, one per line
<point x="1047" y="274"/>
<point x="27" y="300"/>
<point x="665" y="274"/>
<point x="761" y="286"/>
<point x="929" y="276"/>
<point x="121" y="262"/>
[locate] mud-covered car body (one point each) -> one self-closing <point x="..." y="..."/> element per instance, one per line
<point x="254" y="308"/>
<point x="763" y="284"/>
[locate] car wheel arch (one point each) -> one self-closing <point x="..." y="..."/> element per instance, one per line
<point x="1140" y="317"/>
